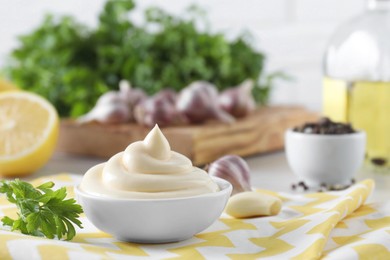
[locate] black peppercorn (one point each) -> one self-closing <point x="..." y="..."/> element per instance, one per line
<point x="325" y="126"/>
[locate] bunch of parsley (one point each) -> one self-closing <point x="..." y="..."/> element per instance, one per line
<point x="72" y="65"/>
<point x="41" y="210"/>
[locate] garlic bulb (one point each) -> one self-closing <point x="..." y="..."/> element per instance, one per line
<point x="233" y="169"/>
<point x="115" y="107"/>
<point x="111" y="108"/>
<point x="159" y="109"/>
<point x="107" y="114"/>
<point x="198" y="102"/>
<point x="238" y="101"/>
<point x="132" y="95"/>
<point x="168" y="94"/>
<point x="253" y="204"/>
<point x="110" y="98"/>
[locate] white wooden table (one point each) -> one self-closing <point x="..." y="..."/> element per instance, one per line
<point x="269" y="171"/>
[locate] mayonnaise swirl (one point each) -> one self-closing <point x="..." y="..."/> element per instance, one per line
<point x="147" y="169"/>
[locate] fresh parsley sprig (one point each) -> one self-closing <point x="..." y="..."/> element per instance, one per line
<point x="41" y="210"/>
<point x="72" y="64"/>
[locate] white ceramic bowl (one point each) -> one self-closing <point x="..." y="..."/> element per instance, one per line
<point x="325" y="159"/>
<point x="155" y="221"/>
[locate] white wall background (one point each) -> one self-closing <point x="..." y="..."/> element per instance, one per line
<point x="293" y="33"/>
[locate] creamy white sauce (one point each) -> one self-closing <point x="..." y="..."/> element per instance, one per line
<point x="147" y="169"/>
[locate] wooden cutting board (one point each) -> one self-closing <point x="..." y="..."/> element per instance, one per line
<point x="262" y="131"/>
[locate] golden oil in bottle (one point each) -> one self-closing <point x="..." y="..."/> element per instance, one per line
<point x="366" y="105"/>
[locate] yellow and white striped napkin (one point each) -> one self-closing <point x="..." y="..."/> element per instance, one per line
<point x="332" y="225"/>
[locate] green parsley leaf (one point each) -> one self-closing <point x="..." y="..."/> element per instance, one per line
<point x="41" y="210"/>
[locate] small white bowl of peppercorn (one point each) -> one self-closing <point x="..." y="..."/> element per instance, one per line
<point x="325" y="153"/>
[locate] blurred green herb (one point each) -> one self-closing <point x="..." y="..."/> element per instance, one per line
<point x="41" y="211"/>
<point x="72" y="65"/>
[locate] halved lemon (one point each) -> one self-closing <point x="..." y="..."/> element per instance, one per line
<point x="28" y="132"/>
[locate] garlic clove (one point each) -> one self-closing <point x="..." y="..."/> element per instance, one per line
<point x="238" y="101"/>
<point x="253" y="204"/>
<point x="234" y="169"/>
<point x="198" y="102"/>
<point x="244" y="202"/>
